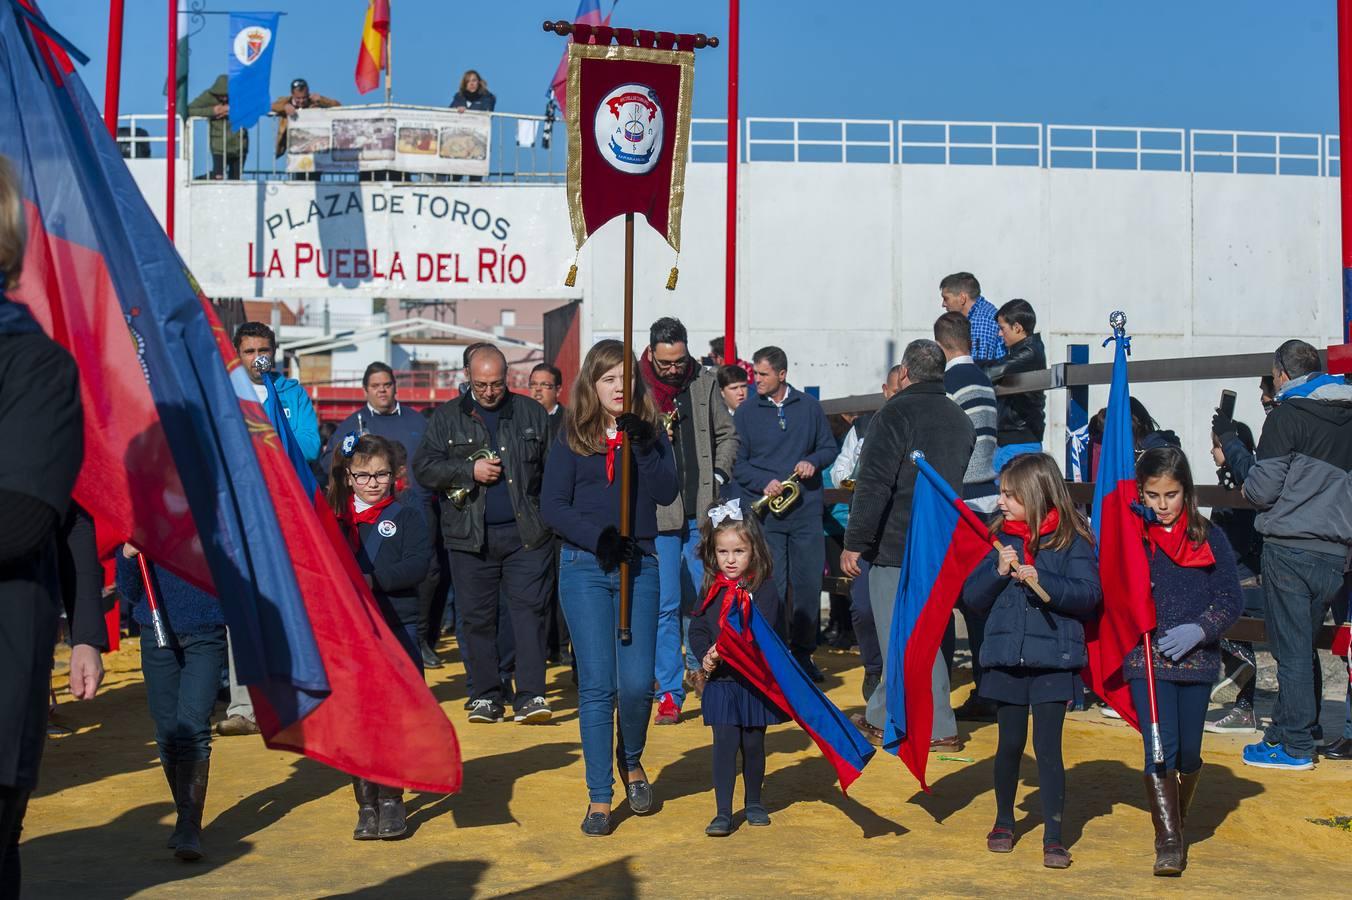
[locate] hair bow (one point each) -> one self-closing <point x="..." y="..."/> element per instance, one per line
<point x="349" y="443"/>
<point x="730" y="510"/>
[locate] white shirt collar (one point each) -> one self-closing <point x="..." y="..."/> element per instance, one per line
<point x="554" y="410"/>
<point x="360" y="504"/>
<point x="393" y="412"/>
<point x="959" y="361"/>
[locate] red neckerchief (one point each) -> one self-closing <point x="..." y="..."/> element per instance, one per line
<point x="664" y="393"/>
<point x="1021" y="530"/>
<point x="612" y="444"/>
<point x="368" y="516"/>
<point x="1174" y="544"/>
<point x="733" y="592"/>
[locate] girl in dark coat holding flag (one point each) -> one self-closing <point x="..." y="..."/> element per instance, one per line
<point x="394" y="550"/>
<point x="737" y="569"/>
<point x="1032" y="649"/>
<point x="1195" y="587"/>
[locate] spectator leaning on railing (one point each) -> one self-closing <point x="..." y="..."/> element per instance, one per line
<point x="1301" y="482"/>
<point x="1022" y="417"/>
<point x="287" y="107"/>
<point x="228" y="148"/>
<point x="961" y="293"/>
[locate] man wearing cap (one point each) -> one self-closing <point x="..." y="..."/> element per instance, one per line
<point x="299" y="98"/>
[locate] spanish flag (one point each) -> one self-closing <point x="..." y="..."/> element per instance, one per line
<point x="373" y="54"/>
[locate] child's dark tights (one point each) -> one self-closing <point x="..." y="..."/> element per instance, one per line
<point x="728" y="739"/>
<point x="1051" y="771"/>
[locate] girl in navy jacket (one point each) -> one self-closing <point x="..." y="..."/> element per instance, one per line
<point x="1032" y="649"/>
<point x="1195" y="586"/>
<point x="393" y="547"/>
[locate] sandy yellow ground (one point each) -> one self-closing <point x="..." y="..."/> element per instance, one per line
<point x="280" y="825"/>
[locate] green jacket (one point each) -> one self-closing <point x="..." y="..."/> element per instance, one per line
<point x="223" y="140"/>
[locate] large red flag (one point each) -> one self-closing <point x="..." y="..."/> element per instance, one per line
<point x="373" y="55"/>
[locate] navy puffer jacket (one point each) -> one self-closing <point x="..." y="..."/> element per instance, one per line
<point x="1023" y="631"/>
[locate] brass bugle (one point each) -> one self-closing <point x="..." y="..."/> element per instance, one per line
<point x="461" y="494"/>
<point x="779" y="505"/>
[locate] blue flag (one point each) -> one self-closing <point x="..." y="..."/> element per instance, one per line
<point x="252" y="36"/>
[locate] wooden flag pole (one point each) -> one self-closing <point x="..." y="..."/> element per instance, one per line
<point x="626" y="449"/>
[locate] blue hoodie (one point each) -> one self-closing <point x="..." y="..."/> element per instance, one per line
<point x="300" y="414"/>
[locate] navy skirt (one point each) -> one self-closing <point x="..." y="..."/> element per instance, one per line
<point x="728" y="702"/>
<point x="1025" y="686"/>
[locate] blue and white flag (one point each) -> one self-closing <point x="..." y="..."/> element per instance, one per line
<point x="252" y="36"/>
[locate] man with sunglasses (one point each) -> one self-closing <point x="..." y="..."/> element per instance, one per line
<point x="299" y="98"/>
<point x="783" y="431"/>
<point x="497" y="542"/>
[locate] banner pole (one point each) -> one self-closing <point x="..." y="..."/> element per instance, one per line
<point x="626" y="450"/>
<point x="1156" y="747"/>
<point x="730" y="275"/>
<point x="389" y="56"/>
<point x="171" y="123"/>
<point x="112" y="87"/>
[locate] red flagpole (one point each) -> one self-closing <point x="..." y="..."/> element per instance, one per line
<point x="113" y="82"/>
<point x="171" y="130"/>
<point x="730" y="292"/>
<point x="1344" y="135"/>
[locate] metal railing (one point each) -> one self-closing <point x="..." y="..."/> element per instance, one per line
<point x="1256" y="152"/>
<point x="1110" y="147"/>
<point x="1333" y="151"/>
<point x="819" y="140"/>
<point x="970" y="143"/>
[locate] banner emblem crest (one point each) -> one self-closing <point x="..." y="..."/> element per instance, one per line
<point x="629" y="128"/>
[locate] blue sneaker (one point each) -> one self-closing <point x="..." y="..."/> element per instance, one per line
<point x="1263" y="755"/>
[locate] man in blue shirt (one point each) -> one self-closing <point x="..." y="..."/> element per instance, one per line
<point x="781" y="432"/>
<point x="961" y="293"/>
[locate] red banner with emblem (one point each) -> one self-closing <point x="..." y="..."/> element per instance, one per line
<point x="628" y="127"/>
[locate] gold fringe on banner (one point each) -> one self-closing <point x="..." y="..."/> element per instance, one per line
<point x="571" y="280"/>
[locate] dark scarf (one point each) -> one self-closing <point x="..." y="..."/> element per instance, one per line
<point x="664" y="393"/>
<point x="1174" y="544"/>
<point x="16" y="319"/>
<point x="1021" y="530"/>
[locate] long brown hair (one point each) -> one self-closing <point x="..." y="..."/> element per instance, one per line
<point x="1036" y="482"/>
<point x="585" y="423"/>
<point x="1171" y="462"/>
<point x="368" y="446"/>
<point x="761" y="566"/>
<point x="464" y="80"/>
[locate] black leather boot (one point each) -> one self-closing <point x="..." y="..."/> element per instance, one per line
<point x="368" y="828"/>
<point x="192" y="800"/>
<point x="171" y="776"/>
<point x="1162" y="790"/>
<point x="390" y="812"/>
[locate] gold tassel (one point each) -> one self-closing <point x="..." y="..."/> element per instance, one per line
<point x="571" y="280"/>
<point x="671" y="279"/>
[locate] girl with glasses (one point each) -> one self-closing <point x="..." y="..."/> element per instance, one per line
<point x="393" y="547"/>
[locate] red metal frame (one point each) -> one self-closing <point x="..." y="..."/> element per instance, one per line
<point x="112" y="87"/>
<point x="171" y="123"/>
<point x="730" y="292"/>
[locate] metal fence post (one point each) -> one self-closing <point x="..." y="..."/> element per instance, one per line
<point x="1077" y="403"/>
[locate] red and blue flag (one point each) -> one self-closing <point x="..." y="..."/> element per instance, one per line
<point x="945" y="542"/>
<point x="181" y="458"/>
<point x="749" y="644"/>
<point x="1128" y="612"/>
<point x="588" y="13"/>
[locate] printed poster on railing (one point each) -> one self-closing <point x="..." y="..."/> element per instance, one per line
<point x="383" y="139"/>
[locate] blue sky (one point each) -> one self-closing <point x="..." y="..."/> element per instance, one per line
<point x="1226" y="64"/>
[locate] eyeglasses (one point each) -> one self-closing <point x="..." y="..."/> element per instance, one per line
<point x="485" y="386"/>
<point x="783" y="425"/>
<point x="364" y="478"/>
<point x="663" y="365"/>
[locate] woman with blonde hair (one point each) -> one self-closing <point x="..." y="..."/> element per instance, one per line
<point x="580" y="500"/>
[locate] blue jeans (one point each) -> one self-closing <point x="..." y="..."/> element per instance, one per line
<point x="865" y="631"/>
<point x="181" y="683"/>
<point x="798" y="551"/>
<point x="680" y="574"/>
<point x="610" y="674"/>
<point x="1298" y="586"/>
<point x="1182" y="709"/>
<point x="1004" y="454"/>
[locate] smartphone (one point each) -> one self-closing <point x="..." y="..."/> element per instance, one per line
<point x="1227" y="407"/>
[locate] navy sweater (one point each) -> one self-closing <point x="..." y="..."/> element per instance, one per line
<point x="402" y="556"/>
<point x="578" y="503"/>
<point x="1209" y="597"/>
<point x="184" y="608"/>
<point x="1021" y="630"/>
<point x="766" y="453"/>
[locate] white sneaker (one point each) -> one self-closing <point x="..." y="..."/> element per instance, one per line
<point x="1108" y="712"/>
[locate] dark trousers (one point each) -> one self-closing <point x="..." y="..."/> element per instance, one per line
<point x="557" y="633"/>
<point x="1182" y="712"/>
<point x="13" y="805"/>
<point x="1012" y="724"/>
<point x="976" y="633"/>
<point x="861" y="614"/>
<point x="227" y="165"/>
<point x="406" y="633"/>
<point x="798" y="551"/>
<point x="181" y="684"/>
<point x="1298" y="586"/>
<point x="503" y="566"/>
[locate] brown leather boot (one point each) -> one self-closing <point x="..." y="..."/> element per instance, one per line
<point x="367" y="828"/>
<point x="1187" y="788"/>
<point x="171" y="776"/>
<point x="192" y="800"/>
<point x="1162" y="791"/>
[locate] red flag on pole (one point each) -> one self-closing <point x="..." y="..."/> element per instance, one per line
<point x="373" y="54"/>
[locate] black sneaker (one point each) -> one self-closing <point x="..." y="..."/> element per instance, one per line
<point x="430" y="658"/>
<point x="534" y="711"/>
<point x="486" y="711"/>
<point x="809" y="667"/>
<point x="870" y="685"/>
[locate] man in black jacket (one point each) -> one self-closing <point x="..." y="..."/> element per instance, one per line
<point x="495" y="536"/>
<point x="919" y="417"/>
<point x="1021" y="418"/>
